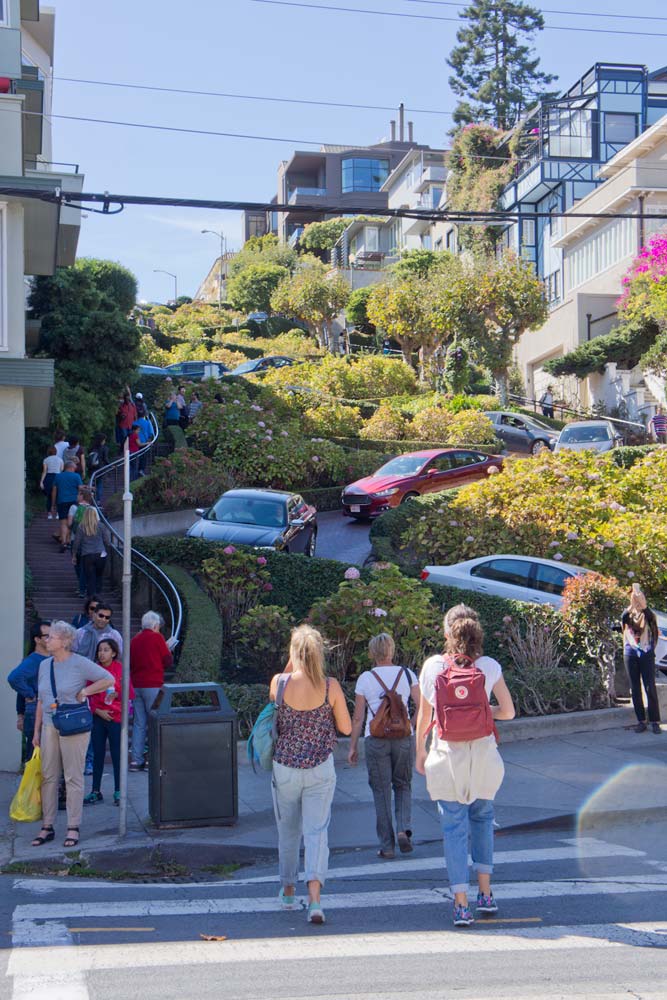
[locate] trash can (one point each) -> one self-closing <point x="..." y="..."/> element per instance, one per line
<point x="192" y="769"/>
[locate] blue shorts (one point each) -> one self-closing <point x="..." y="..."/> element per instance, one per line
<point x="63" y="510"/>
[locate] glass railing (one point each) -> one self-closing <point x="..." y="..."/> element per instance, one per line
<point x="305" y="192"/>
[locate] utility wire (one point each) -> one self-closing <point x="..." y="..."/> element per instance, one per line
<point x="457" y="20"/>
<point x="248" y="97"/>
<point x="550" y="10"/>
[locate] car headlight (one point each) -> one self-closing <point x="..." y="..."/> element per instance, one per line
<point x="386" y="493"/>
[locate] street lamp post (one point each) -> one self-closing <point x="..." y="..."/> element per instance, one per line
<point x="159" y="270"/>
<point x="221" y="237"/>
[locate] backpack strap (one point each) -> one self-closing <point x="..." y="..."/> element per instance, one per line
<point x="53" y="681"/>
<point x="327" y="681"/>
<point x="283" y="681"/>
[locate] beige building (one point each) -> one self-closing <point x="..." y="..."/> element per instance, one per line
<point x="213" y="288"/>
<point x="596" y="254"/>
<point x="35" y="238"/>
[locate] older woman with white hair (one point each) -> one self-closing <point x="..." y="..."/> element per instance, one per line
<point x="64" y="678"/>
<point x="150" y="656"/>
<point x="387" y="741"/>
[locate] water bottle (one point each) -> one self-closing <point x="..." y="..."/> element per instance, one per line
<point x="109" y="695"/>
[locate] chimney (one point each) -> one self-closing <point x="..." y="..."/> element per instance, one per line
<point x="410" y="131"/>
<point x="401" y="120"/>
<point x="392" y="125"/>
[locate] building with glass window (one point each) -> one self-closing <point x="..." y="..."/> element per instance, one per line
<point x="333" y="180"/>
<point x="569" y="146"/>
<point x="36" y="236"/>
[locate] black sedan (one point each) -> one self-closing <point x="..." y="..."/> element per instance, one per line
<point x="262" y="518"/>
<point x="522" y="433"/>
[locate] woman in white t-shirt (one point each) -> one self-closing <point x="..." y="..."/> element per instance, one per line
<point x="389" y="761"/>
<point x="51" y="466"/>
<point x="464" y="777"/>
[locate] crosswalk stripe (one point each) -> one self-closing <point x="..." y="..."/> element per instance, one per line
<point x="574" y="849"/>
<point x="618" y="885"/>
<point x="90" y="958"/>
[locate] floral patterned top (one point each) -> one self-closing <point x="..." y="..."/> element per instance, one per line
<point x="305" y="738"/>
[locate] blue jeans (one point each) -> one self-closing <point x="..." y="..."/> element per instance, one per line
<point x="302" y="803"/>
<point x="458" y="823"/>
<point x="143" y="702"/>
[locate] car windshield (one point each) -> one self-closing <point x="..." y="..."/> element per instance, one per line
<point x="247" y="510"/>
<point x="585" y="435"/>
<point x="247" y="366"/>
<point x="532" y="422"/>
<point x="404" y="465"/>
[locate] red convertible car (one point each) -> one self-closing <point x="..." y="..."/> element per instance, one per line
<point x="414" y="474"/>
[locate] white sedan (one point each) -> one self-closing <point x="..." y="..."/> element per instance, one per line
<point x="523" y="578"/>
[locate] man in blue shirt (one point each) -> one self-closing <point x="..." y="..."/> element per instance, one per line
<point x="145" y="436"/>
<point x="64" y="494"/>
<point x="23" y="679"/>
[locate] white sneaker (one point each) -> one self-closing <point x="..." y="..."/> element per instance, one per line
<point x="49" y="517"/>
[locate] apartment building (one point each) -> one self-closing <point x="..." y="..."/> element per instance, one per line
<point x="333" y="180"/>
<point x="35" y="238"/>
<point x="213" y="288"/>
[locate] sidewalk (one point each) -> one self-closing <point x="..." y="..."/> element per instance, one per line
<point x="586" y="774"/>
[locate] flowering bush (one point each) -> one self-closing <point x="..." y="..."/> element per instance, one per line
<point x="333" y="419"/>
<point x="262" y="638"/>
<point x="430" y="424"/>
<point x="386" y="424"/>
<point x="471" y="427"/>
<point x="184" y="479"/>
<point x="236" y="581"/>
<point x="366" y="376"/>
<point x="574" y="506"/>
<point x="645" y="284"/>
<point x="390" y="602"/>
<point x="591" y="605"/>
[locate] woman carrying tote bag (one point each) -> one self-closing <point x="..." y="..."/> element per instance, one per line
<point x="74" y="678"/>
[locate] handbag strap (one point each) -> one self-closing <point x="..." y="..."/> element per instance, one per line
<point x="53" y="682"/>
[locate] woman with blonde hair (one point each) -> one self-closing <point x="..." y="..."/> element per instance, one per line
<point x="311" y="707"/>
<point x="640" y="637"/>
<point x="89" y="546"/>
<point x="388" y="756"/>
<point x="463" y="767"/>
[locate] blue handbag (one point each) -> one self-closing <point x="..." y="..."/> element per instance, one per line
<point x="70" y="720"/>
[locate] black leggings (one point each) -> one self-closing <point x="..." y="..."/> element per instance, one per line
<point x="641" y="668"/>
<point x="103" y="731"/>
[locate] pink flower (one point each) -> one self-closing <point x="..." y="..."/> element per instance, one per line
<point x="284" y="434"/>
<point x="261" y="561"/>
<point x="630" y="573"/>
<point x="260" y="423"/>
<point x="367" y="602"/>
<point x="571" y="535"/>
<point x="268" y="587"/>
<point x="379" y="613"/>
<point x="507" y="619"/>
<point x="352" y="573"/>
<point x="237" y="402"/>
<point x="470" y="538"/>
<point x="316" y="458"/>
<point x="229" y="550"/>
<point x="553" y="545"/>
<point x="558" y="556"/>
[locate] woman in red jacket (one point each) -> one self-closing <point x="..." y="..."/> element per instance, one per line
<point x="106" y="709"/>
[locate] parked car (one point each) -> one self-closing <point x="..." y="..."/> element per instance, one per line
<point x="522" y="433"/>
<point x="411" y="475"/>
<point x="258" y="365"/>
<point x="588" y="435"/>
<point x="257" y="317"/>
<point x="524" y="578"/>
<point x="197" y="370"/>
<point x="263" y="518"/>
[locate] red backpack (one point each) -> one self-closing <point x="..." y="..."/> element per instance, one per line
<point x="462" y="709"/>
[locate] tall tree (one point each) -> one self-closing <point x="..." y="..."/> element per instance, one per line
<point x="314" y="295"/>
<point x="496" y="72"/>
<point x="251" y="289"/>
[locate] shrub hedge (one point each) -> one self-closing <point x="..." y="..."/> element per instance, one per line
<point x="199" y="658"/>
<point x="626" y="456"/>
<point x="394" y="447"/>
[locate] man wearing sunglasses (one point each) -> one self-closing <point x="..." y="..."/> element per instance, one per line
<point x="23" y="679"/>
<point x="99" y="627"/>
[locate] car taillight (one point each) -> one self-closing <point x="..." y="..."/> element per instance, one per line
<point x="425" y="574"/>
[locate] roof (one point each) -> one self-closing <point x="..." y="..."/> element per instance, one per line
<point x="259" y="493"/>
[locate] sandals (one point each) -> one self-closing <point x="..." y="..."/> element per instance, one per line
<point x="71" y="841"/>
<point x="405" y="842"/>
<point x="50" y="834"/>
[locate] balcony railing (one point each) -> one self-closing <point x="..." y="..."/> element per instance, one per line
<point x="33" y="163"/>
<point x="305" y="192"/>
<point x="295" y="237"/>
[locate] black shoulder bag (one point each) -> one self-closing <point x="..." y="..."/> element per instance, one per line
<point x="70" y="720"/>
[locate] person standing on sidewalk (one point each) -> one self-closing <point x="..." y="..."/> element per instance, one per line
<point x="311" y="707"/>
<point x="658" y="426"/>
<point x="88" y="638"/>
<point x="150" y="656"/>
<point x="23" y="679"/>
<point x="388" y="760"/>
<point x="63" y="754"/>
<point x="463" y="775"/>
<point x="106" y="709"/>
<point x="640" y="637"/>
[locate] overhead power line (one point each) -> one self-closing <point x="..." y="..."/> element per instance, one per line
<point x="457" y="20"/>
<point x="551" y="10"/>
<point x="248" y="97"/>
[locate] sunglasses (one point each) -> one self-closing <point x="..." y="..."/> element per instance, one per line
<point x="101" y="615"/>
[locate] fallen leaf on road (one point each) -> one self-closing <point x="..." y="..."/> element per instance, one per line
<point x="212" y="937"/>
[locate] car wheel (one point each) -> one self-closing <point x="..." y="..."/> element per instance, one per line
<point x="312" y="544"/>
<point x="409" y="496"/>
<point x="537" y="447"/>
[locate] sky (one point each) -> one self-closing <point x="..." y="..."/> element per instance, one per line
<point x="265" y="50"/>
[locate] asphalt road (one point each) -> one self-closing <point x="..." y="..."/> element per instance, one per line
<point x="342" y="538"/>
<point x="579" y="917"/>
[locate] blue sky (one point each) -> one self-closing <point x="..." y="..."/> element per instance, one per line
<point x="245" y="47"/>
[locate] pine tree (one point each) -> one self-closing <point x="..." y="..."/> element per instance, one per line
<point x="495" y="68"/>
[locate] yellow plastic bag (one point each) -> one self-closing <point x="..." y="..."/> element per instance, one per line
<point x="26" y="805"/>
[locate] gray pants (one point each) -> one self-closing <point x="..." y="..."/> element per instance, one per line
<point x="389" y="764"/>
<point x="302" y="803"/>
<point x="143" y="702"/>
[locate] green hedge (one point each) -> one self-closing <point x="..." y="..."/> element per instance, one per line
<point x="626" y="456"/>
<point x="326" y="498"/>
<point x="250" y="352"/>
<point x="400" y="447"/>
<point x="387" y="530"/>
<point x="175" y="433"/>
<point x="201" y="647"/>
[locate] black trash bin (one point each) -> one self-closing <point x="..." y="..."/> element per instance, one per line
<point x="192" y="771"/>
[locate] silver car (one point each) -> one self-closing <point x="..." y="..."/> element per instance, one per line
<point x="588" y="435"/>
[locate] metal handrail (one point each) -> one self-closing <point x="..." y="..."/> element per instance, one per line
<point x="525" y="401"/>
<point x="141" y="562"/>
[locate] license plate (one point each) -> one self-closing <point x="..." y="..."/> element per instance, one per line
<point x="355" y="508"/>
